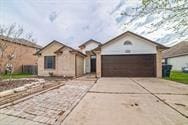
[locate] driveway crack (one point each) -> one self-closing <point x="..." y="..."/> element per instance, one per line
<point x="159" y="98"/>
<point x="116" y="92"/>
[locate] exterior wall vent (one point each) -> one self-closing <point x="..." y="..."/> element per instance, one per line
<point x="127" y="51"/>
<point x="127" y="43"/>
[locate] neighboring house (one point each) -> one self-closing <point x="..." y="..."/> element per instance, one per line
<point x="60" y="60"/>
<point x="177" y="56"/>
<point x="22" y="50"/>
<point x="127" y="55"/>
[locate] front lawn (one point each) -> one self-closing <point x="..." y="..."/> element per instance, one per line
<point x="17" y="76"/>
<point x="178" y="77"/>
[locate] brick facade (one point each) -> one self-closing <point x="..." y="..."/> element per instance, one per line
<point x="67" y="63"/>
<point x="23" y="55"/>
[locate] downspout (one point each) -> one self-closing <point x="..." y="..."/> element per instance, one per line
<point x="75" y="65"/>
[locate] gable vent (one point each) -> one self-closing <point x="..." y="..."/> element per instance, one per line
<point x="127" y="43"/>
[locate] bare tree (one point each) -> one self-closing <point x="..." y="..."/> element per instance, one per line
<point x="12" y="33"/>
<point x="173" y="12"/>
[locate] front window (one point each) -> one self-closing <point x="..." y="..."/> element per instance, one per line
<point x="49" y="62"/>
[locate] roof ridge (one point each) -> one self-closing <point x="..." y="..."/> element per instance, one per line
<point x="63" y="45"/>
<point x="20" y="41"/>
<point x="158" y="44"/>
<point x="88" y="42"/>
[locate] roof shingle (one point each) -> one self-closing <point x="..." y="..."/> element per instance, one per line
<point x="179" y="49"/>
<point x="20" y="41"/>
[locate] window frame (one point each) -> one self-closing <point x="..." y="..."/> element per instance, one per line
<point x="46" y="62"/>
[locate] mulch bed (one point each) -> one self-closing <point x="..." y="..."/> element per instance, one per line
<point x="6" y="85"/>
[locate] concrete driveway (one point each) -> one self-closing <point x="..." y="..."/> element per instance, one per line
<point x="132" y="101"/>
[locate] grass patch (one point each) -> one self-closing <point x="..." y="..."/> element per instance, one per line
<point x="178" y="77"/>
<point x="16" y="76"/>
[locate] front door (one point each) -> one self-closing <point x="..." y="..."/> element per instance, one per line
<point x="93" y="63"/>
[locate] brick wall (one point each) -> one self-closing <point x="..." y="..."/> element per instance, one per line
<point x="23" y="56"/>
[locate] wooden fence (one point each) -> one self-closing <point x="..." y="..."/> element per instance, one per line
<point x="30" y="69"/>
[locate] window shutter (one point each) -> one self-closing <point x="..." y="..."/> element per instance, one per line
<point x="45" y="62"/>
<point x="53" y="62"/>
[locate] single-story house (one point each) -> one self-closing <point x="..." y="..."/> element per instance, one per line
<point x="127" y="55"/>
<point x="177" y="56"/>
<point x="60" y="60"/>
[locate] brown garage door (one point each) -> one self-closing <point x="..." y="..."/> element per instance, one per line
<point x="129" y="65"/>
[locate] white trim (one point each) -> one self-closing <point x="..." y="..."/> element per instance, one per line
<point x="139" y="46"/>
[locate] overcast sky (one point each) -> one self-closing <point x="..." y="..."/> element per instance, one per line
<point x="76" y="21"/>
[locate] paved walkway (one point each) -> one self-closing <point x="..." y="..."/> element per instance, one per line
<point x="132" y="101"/>
<point x="48" y="108"/>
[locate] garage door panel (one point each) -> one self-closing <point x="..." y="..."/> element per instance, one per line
<point x="128" y="74"/>
<point x="129" y="65"/>
<point x="124" y="70"/>
<point x="143" y="61"/>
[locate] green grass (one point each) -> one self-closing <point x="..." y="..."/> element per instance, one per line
<point x="16" y="75"/>
<point x="178" y="77"/>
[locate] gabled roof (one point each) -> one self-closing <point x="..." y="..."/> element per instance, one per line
<point x="72" y="50"/>
<point x="179" y="49"/>
<point x="60" y="49"/>
<point x="129" y="32"/>
<point x="91" y="40"/>
<point x="20" y="41"/>
<point x="54" y="41"/>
